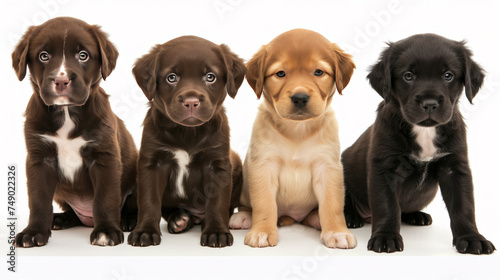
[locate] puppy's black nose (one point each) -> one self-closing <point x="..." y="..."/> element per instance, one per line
<point x="429" y="105"/>
<point x="62" y="83"/>
<point x="300" y="100"/>
<point x="191" y="103"/>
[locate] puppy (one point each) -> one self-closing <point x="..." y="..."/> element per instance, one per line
<point x="187" y="172"/>
<point x="417" y="142"/>
<point x="292" y="170"/>
<point x="79" y="153"/>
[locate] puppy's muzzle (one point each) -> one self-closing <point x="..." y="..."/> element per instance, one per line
<point x="300" y="100"/>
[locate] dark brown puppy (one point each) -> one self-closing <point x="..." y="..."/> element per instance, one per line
<point x="417" y="142"/>
<point x="79" y="153"/>
<point x="187" y="172"/>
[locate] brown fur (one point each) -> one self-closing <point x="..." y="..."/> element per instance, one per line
<point x="106" y="176"/>
<point x="197" y="139"/>
<point x="292" y="170"/>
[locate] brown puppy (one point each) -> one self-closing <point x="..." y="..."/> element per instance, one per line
<point x="292" y="170"/>
<point x="79" y="153"/>
<point x="187" y="171"/>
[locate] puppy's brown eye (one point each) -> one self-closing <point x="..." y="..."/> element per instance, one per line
<point x="318" y="72"/>
<point x="172" y="78"/>
<point x="44" y="56"/>
<point x="448" y="76"/>
<point x="210" y="77"/>
<point x="408" y="76"/>
<point x="280" y="74"/>
<point x="83" y="56"/>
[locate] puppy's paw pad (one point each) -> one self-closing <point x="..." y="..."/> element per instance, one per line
<point x="143" y="238"/>
<point x="416" y="218"/>
<point x="241" y="220"/>
<point x="179" y="222"/>
<point x="342" y="240"/>
<point x="257" y="238"/>
<point x="106" y="237"/>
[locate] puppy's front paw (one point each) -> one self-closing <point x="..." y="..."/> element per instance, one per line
<point x="473" y="244"/>
<point x="342" y="240"/>
<point x="27" y="239"/>
<point x="216" y="238"/>
<point x="259" y="237"/>
<point x="144" y="237"/>
<point x="106" y="236"/>
<point x="241" y="220"/>
<point x="386" y="242"/>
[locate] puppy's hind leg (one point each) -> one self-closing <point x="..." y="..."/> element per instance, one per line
<point x="241" y="219"/>
<point x="285" y="221"/>
<point x="352" y="217"/>
<point x="65" y="220"/>
<point x="179" y="221"/>
<point x="129" y="213"/>
<point x="312" y="220"/>
<point x="416" y="218"/>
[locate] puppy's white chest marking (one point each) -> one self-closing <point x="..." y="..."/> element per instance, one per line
<point x="68" y="150"/>
<point x="183" y="159"/>
<point x="425" y="139"/>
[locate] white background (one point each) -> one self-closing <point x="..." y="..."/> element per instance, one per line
<point x="359" y="27"/>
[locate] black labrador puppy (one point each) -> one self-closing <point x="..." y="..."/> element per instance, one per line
<point x="187" y="172"/>
<point x="417" y="143"/>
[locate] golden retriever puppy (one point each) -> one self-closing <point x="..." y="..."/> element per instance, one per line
<point x="292" y="170"/>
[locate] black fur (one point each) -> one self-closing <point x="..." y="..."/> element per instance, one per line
<point x="385" y="178"/>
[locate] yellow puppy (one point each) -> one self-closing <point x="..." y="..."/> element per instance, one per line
<point x="292" y="170"/>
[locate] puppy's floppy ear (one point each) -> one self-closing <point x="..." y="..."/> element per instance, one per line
<point x="146" y="70"/>
<point x="235" y="69"/>
<point x="473" y="73"/>
<point x="344" y="66"/>
<point x="256" y="71"/>
<point x="20" y="54"/>
<point x="380" y="75"/>
<point x="109" y="54"/>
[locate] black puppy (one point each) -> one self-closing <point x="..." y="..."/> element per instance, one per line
<point x="187" y="172"/>
<point x="417" y="142"/>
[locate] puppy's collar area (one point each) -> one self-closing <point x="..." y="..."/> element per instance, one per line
<point x="425" y="138"/>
